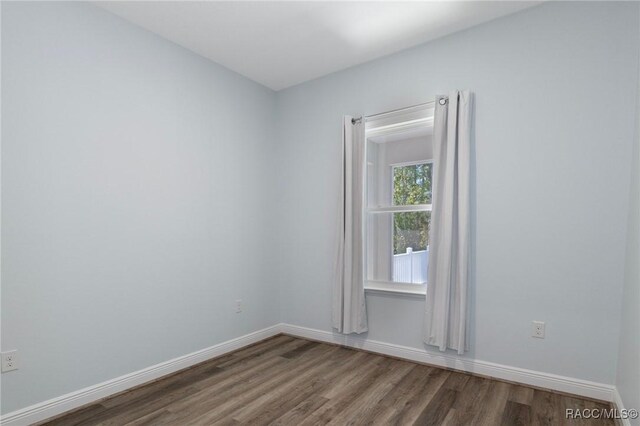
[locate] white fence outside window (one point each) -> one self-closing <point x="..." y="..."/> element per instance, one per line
<point x="411" y="267"/>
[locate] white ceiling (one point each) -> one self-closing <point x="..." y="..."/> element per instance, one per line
<point x="280" y="44"/>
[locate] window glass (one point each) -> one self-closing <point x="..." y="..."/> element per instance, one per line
<point x="410" y="231"/>
<point x="412" y="184"/>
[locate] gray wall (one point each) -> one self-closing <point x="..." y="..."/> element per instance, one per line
<point x="628" y="377"/>
<point x="555" y="88"/>
<point x="133" y="199"/>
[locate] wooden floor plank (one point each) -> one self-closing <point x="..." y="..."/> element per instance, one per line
<point x="278" y="402"/>
<point x="78" y="416"/>
<point x="516" y="414"/>
<point x="224" y="406"/>
<point x="300" y="411"/>
<point x="376" y="391"/>
<point x="419" y="397"/>
<point x="399" y="395"/>
<point x="290" y="381"/>
<point x="521" y="394"/>
<point x="191" y="387"/>
<point x="546" y="409"/>
<point x="294" y="353"/>
<point x="591" y="405"/>
<point x="359" y="381"/>
<point x="456" y="381"/>
<point x="438" y="408"/>
<point x="470" y="400"/>
<point x="192" y="383"/>
<point x="493" y="404"/>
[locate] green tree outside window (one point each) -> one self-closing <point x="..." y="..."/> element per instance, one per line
<point x="411" y="185"/>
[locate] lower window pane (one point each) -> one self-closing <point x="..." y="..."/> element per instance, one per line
<point x="397" y="247"/>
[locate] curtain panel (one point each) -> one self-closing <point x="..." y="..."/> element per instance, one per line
<point x="349" y="310"/>
<point x="446" y="316"/>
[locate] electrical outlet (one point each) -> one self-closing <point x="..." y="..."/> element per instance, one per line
<point x="9" y="361"/>
<point x="238" y="306"/>
<point x="538" y="329"/>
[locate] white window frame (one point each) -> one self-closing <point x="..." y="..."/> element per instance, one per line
<point x="385" y="124"/>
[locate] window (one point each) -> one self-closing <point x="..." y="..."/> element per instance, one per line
<point x="398" y="199"/>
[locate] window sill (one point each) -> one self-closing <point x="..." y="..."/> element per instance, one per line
<point x="414" y="290"/>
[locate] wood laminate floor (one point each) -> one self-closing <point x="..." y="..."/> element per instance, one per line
<point x="290" y="381"/>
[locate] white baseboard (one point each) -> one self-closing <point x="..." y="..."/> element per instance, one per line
<point x="619" y="405"/>
<point x="70" y="401"/>
<point x="539" y="379"/>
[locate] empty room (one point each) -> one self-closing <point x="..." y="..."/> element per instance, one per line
<point x="308" y="212"/>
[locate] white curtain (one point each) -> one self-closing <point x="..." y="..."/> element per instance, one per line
<point x="446" y="317"/>
<point x="349" y="310"/>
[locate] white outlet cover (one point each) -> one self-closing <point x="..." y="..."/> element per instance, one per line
<point x="538" y="329"/>
<point x="9" y="361"/>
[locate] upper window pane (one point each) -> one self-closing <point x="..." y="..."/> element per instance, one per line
<point x="412" y="184"/>
<point x="399" y="162"/>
